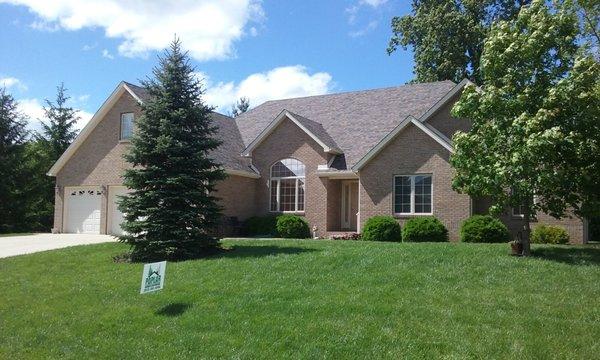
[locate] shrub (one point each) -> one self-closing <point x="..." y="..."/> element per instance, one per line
<point x="292" y="227"/>
<point x="483" y="229"/>
<point x="549" y="234"/>
<point x="424" y="229"/>
<point x="261" y="225"/>
<point x="382" y="228"/>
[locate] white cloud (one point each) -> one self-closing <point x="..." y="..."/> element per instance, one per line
<point x="44" y="26"/>
<point x="33" y="109"/>
<point x="207" y="28"/>
<point x="11" y="82"/>
<point x="278" y="83"/>
<point x="361" y="32"/>
<point x="373" y="3"/>
<point x="88" y="47"/>
<point x="107" y="54"/>
<point x="353" y="10"/>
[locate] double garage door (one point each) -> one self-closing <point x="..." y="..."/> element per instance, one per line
<point x="83" y="208"/>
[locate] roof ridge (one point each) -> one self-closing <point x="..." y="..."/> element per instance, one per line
<point x="362" y="91"/>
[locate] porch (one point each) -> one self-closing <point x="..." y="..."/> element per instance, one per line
<point x="342" y="206"/>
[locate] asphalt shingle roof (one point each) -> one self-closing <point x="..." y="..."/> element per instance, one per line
<point x="229" y="152"/>
<point x="355" y="121"/>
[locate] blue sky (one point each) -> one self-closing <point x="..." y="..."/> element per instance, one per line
<point x="259" y="49"/>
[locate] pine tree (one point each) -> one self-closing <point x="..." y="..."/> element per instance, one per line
<point x="12" y="138"/>
<point x="56" y="136"/>
<point x="240" y="107"/>
<point x="172" y="212"/>
<point x="60" y="131"/>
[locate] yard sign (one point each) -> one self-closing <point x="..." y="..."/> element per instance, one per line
<point x="153" y="277"/>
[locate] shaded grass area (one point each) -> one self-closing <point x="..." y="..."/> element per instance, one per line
<point x="306" y="299"/>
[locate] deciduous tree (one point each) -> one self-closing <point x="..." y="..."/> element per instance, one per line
<point x="535" y="120"/>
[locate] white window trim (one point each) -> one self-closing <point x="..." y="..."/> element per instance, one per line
<point x="278" y="179"/>
<point x="412" y="196"/>
<point x="121" y="138"/>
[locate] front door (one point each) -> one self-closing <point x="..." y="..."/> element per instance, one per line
<point x="349" y="205"/>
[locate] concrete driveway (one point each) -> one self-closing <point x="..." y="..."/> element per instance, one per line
<point x="27" y="244"/>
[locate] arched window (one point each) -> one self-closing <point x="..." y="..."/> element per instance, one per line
<point x="287" y="186"/>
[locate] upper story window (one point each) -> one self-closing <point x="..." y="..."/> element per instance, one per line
<point x="412" y="194"/>
<point x="287" y="186"/>
<point x="126" y="126"/>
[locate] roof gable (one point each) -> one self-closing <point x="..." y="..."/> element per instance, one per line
<point x="311" y="128"/>
<point x="355" y="121"/>
<point x="409" y="120"/>
<point x="228" y="153"/>
<point x="91" y="125"/>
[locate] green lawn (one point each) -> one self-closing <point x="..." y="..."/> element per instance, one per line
<point x="306" y="299"/>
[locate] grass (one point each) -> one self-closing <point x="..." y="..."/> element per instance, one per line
<point x="306" y="299"/>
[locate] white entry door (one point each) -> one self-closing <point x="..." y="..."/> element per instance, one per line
<point x="82" y="210"/>
<point x="349" y="205"/>
<point x="115" y="216"/>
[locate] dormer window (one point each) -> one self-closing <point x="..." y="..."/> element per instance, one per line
<point x="126" y="126"/>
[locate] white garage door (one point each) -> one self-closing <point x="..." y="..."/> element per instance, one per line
<point x="83" y="210"/>
<point x="115" y="216"/>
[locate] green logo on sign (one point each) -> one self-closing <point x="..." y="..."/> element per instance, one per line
<point x="153" y="277"/>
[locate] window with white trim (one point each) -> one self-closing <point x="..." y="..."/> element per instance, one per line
<point x="126" y="126"/>
<point x="287" y="186"/>
<point x="412" y="194"/>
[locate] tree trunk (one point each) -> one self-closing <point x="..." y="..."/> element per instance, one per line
<point x="526" y="230"/>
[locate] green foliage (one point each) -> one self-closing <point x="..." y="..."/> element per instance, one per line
<point x="240" y="107"/>
<point x="483" y="229"/>
<point x="172" y="212"/>
<point x="534" y="119"/>
<point x="12" y="170"/>
<point x="424" y="229"/>
<point x="549" y="234"/>
<point x="292" y="227"/>
<point x="381" y="228"/>
<point x="447" y="35"/>
<point x="261" y="226"/>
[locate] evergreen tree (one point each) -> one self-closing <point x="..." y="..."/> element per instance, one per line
<point x="56" y="136"/>
<point x="60" y="131"/>
<point x="12" y="138"/>
<point x="172" y="212"/>
<point x="240" y="107"/>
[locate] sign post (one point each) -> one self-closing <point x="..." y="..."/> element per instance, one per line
<point x="153" y="277"/>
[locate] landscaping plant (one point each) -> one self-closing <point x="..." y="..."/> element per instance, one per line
<point x="382" y="228"/>
<point x="483" y="229"/>
<point x="549" y="234"/>
<point x="292" y="227"/>
<point x="424" y="229"/>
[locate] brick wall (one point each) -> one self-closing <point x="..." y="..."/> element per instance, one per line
<point x="99" y="162"/>
<point x="412" y="152"/>
<point x="573" y="225"/>
<point x="289" y="141"/>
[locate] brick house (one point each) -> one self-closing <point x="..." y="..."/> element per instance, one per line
<point x="335" y="159"/>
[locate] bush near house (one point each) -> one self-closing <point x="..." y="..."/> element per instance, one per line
<point x="483" y="229"/>
<point x="382" y="228"/>
<point x="292" y="227"/>
<point x="549" y="234"/>
<point x="424" y="229"/>
<point x="261" y="225"/>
